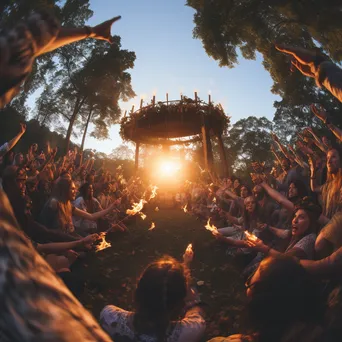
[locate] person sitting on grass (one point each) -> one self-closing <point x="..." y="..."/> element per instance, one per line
<point x="162" y="294"/>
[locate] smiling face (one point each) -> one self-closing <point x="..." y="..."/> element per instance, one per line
<point x="333" y="161"/>
<point x="293" y="191"/>
<point x="300" y="223"/>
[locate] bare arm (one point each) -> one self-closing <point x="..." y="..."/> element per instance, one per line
<point x="278" y="197"/>
<point x="94" y="216"/>
<point x="318" y="141"/>
<point x="336" y="131"/>
<point x="70" y="35"/>
<point x="14" y="141"/>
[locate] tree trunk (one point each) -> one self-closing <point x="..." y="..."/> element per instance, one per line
<point x="78" y="106"/>
<point x="35" y="304"/>
<point x="86" y="129"/>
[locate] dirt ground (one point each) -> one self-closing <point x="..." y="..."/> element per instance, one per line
<point x="111" y="275"/>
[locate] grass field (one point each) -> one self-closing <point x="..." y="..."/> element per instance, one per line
<point x="112" y="274"/>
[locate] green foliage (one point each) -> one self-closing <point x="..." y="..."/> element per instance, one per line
<point x="247" y="141"/>
<point x="228" y="28"/>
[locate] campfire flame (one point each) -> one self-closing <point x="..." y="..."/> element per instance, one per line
<point x="185" y="208"/>
<point x="152" y="226"/>
<point x="154" y="192"/>
<point x="103" y="244"/>
<point x="136" y="208"/>
<point x="250" y="236"/>
<point x="189" y="248"/>
<point x="142" y="215"/>
<point x="211" y="228"/>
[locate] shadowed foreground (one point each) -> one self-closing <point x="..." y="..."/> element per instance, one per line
<point x="111" y="275"/>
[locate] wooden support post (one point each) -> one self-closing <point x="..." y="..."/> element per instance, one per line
<point x="207" y="148"/>
<point x="223" y="155"/>
<point x="137" y="145"/>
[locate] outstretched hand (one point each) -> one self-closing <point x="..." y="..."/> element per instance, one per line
<point x="304" y="59"/>
<point x="22" y="128"/>
<point x="102" y="31"/>
<point x="319" y="111"/>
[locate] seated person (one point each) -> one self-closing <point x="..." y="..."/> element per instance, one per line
<point x="162" y="293"/>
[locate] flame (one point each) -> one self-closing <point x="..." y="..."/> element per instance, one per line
<point x="152" y="226"/>
<point x="250" y="236"/>
<point x="214" y="200"/>
<point x="137" y="207"/>
<point x="185" y="208"/>
<point x="154" y="192"/>
<point x="103" y="244"/>
<point x="142" y="215"/>
<point x="189" y="248"/>
<point x="211" y="228"/>
<point x="157" y="209"/>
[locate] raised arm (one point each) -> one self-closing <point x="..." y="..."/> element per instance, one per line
<point x="15" y="140"/>
<point x="317" y="141"/>
<point x="278" y="197"/>
<point x="70" y="35"/>
<point x="313" y="181"/>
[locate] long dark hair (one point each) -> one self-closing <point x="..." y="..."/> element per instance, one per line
<point x="285" y="294"/>
<point x="301" y="190"/>
<point x="159" y="297"/>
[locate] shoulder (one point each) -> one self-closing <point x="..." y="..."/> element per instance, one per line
<point x="192" y="326"/>
<point x="306" y="242"/>
<point x="114" y="320"/>
<point x="112" y="313"/>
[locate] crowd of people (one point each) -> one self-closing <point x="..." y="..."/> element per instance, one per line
<point x="286" y="227"/>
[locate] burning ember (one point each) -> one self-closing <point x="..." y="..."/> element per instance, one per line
<point x="142" y="215"/>
<point x="250" y="236"/>
<point x="211" y="228"/>
<point x="189" y="248"/>
<point x="136" y="208"/>
<point x="103" y="244"/>
<point x="185" y="208"/>
<point x="154" y="192"/>
<point x="152" y="226"/>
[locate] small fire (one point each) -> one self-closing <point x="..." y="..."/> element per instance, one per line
<point x="103" y="244"/>
<point x="142" y="215"/>
<point x="152" y="226"/>
<point x="136" y="208"/>
<point x="157" y="209"/>
<point x="211" y="228"/>
<point x="154" y="192"/>
<point x="189" y="248"/>
<point x="214" y="200"/>
<point x="250" y="236"/>
<point x="185" y="208"/>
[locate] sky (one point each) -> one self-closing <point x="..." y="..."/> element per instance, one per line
<point x="169" y="60"/>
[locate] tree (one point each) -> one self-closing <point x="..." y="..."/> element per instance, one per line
<point x="122" y="152"/>
<point x="228" y="27"/>
<point x="91" y="79"/>
<point x="248" y="140"/>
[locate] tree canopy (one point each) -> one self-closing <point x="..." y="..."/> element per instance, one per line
<point x="229" y="29"/>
